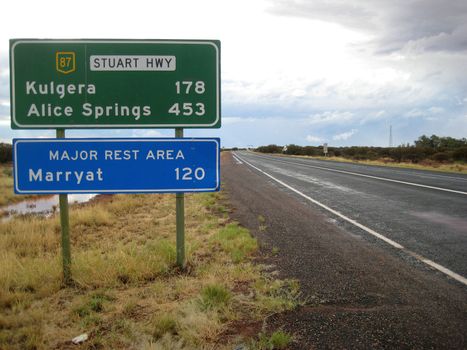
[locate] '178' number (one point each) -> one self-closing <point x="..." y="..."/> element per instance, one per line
<point x="184" y="87"/>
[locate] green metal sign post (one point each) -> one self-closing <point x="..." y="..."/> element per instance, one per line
<point x="180" y="219"/>
<point x="65" y="226"/>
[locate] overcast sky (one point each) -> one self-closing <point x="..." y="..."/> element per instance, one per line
<point x="293" y="71"/>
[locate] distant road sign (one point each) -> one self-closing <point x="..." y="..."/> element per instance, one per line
<point x="116" y="165"/>
<point x="114" y="84"/>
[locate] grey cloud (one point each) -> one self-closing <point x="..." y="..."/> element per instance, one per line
<point x="438" y="25"/>
<point x="454" y="41"/>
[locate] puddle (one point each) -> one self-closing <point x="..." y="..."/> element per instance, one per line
<point x="41" y="206"/>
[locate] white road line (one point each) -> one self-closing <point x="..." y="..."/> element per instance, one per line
<point x="371" y="176"/>
<point x="394" y="244"/>
<point x="238" y="161"/>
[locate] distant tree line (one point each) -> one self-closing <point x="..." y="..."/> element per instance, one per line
<point x="436" y="148"/>
<point x="6" y="153"/>
<point x="440" y="149"/>
<point x="232" y="149"/>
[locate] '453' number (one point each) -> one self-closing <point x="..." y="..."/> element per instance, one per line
<point x="187" y="109"/>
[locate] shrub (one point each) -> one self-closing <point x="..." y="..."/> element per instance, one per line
<point x="6" y="153"/>
<point x="441" y="156"/>
<point x="270" y="149"/>
<point x="460" y="154"/>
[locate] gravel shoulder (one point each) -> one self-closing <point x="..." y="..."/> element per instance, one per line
<point x="358" y="295"/>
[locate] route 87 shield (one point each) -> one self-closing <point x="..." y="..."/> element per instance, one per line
<point x="65" y="62"/>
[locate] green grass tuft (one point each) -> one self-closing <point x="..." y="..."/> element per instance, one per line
<point x="280" y="340"/>
<point x="236" y="241"/>
<point x="162" y="325"/>
<point x="277" y="340"/>
<point x="95" y="303"/>
<point x="278" y="295"/>
<point x="215" y="296"/>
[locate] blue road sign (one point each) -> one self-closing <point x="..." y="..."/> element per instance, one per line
<point x="116" y="165"/>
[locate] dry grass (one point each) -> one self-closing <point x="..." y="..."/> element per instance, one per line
<point x="128" y="294"/>
<point x="457" y="168"/>
<point x="7" y="195"/>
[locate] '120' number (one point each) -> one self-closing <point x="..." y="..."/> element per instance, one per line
<point x="188" y="173"/>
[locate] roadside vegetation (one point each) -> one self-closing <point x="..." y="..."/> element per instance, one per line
<point x="128" y="293"/>
<point x="6" y="184"/>
<point x="6" y="152"/>
<point x="434" y="152"/>
<point x="7" y="196"/>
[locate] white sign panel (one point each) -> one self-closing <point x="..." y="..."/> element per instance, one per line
<point x="132" y="63"/>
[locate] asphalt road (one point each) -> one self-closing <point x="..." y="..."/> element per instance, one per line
<point x="359" y="247"/>
<point x="429" y="221"/>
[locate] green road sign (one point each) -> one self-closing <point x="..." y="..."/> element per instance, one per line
<point x="114" y="84"/>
